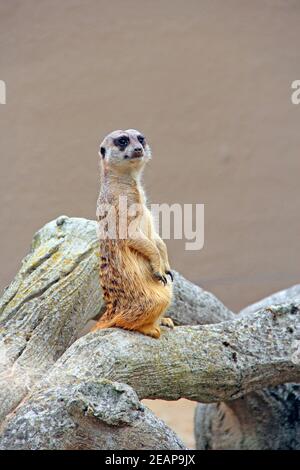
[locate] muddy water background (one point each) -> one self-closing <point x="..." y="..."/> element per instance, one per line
<point x="207" y="81"/>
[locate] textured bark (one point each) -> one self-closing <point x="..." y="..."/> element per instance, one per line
<point x="88" y="415"/>
<point x="265" y="419"/>
<point x="204" y="363"/>
<point x="281" y="297"/>
<point x="194" y="306"/>
<point x="55" y="292"/>
<point x="52" y="297"/>
<point x="72" y="394"/>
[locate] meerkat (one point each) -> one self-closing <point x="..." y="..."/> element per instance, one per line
<point x="135" y="274"/>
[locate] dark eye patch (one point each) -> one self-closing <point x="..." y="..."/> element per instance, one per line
<point x="121" y="142"/>
<point x="141" y="139"/>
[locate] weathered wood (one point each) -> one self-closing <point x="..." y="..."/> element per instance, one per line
<point x="283" y="296"/>
<point x="68" y="391"/>
<point x="55" y="292"/>
<point x="264" y="419"/>
<point x="88" y="415"/>
<point x="52" y="297"/>
<point x="205" y="363"/>
<point x="261" y="420"/>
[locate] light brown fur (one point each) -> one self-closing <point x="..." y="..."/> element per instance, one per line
<point x="133" y="271"/>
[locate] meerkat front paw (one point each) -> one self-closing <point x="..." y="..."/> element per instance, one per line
<point x="167" y="322"/>
<point x="160" y="277"/>
<point x="169" y="273"/>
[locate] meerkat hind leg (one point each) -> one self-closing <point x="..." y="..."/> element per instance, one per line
<point x="165" y="321"/>
<point x="149" y="330"/>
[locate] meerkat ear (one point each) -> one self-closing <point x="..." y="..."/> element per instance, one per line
<point x="102" y="151"/>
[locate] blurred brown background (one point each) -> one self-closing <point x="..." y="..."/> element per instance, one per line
<point x="207" y="81"/>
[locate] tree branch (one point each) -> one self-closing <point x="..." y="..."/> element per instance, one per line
<point x="205" y="363"/>
<point x="284" y="296"/>
<point x="68" y="385"/>
<point x="87" y="415"/>
<point x="264" y="419"/>
<point x="55" y="293"/>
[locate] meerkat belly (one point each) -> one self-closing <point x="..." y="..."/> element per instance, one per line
<point x="126" y="279"/>
<point x="138" y="275"/>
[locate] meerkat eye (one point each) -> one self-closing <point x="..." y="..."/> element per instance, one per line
<point x="122" y="141"/>
<point x="141" y="139"/>
<point x="102" y="151"/>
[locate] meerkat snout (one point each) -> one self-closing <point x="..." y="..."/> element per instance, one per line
<point x="137" y="152"/>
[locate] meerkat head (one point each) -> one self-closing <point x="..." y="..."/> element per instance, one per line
<point x="127" y="151"/>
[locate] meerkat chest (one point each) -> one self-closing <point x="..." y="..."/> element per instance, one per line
<point x="139" y="216"/>
<point x="147" y="223"/>
<point x="140" y="220"/>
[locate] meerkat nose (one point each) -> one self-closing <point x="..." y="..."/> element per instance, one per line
<point x="137" y="152"/>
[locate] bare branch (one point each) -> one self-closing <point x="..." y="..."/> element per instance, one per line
<point x="264" y="419"/>
<point x="284" y="296"/>
<point x="55" y="293"/>
<point x="204" y="363"/>
<point x="88" y="415"/>
<point x="41" y="367"/>
<point x="192" y="305"/>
